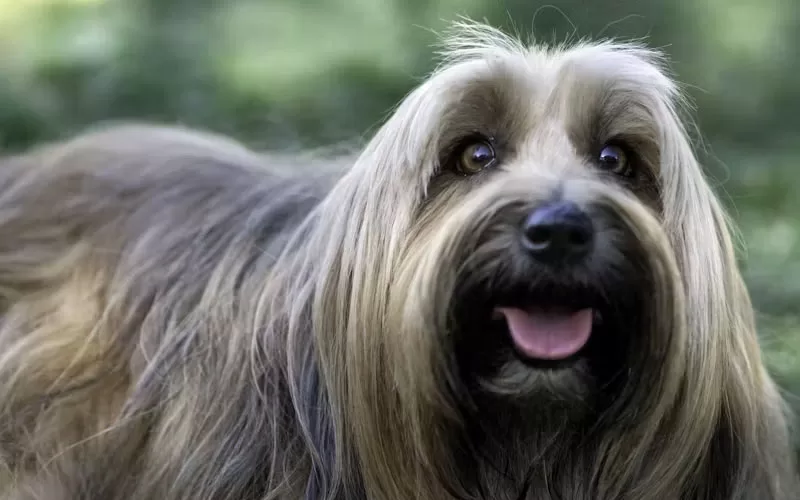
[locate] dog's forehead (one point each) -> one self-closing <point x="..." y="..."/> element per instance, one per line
<point x="592" y="86"/>
<point x="610" y="65"/>
<point x="555" y="93"/>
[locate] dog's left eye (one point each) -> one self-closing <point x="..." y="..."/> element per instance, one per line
<point x="614" y="159"/>
<point x="475" y="156"/>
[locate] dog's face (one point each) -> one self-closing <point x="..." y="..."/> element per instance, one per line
<point x="551" y="295"/>
<point x="551" y="283"/>
<point x="532" y="214"/>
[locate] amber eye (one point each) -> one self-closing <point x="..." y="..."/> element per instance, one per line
<point x="475" y="157"/>
<point x="614" y="159"/>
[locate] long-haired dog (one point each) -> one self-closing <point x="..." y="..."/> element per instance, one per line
<point x="522" y="287"/>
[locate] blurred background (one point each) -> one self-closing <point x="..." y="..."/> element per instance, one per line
<point x="303" y="73"/>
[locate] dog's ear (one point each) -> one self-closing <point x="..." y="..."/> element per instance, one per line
<point x="719" y="312"/>
<point x="728" y="391"/>
<point x="364" y="221"/>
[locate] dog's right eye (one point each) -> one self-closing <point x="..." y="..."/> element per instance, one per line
<point x="475" y="156"/>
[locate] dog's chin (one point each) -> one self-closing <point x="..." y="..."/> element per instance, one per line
<point x="559" y="343"/>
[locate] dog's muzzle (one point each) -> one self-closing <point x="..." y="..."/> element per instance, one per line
<point x="556" y="235"/>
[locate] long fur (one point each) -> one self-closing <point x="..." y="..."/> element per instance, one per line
<point x="183" y="318"/>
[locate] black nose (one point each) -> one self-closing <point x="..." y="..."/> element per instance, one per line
<point x="558" y="232"/>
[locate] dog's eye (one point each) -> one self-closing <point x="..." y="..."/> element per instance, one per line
<point x="614" y="159"/>
<point x="474" y="157"/>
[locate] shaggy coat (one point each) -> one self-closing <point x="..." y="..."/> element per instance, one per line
<point x="185" y="319"/>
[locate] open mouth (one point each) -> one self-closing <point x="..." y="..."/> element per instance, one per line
<point x="548" y="334"/>
<point x="550" y="326"/>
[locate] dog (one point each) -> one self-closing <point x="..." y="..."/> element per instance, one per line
<point x="521" y="287"/>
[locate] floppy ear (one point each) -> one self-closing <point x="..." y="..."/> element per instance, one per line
<point x="344" y="273"/>
<point x="728" y="394"/>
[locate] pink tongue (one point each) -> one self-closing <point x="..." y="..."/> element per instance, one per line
<point x="548" y="335"/>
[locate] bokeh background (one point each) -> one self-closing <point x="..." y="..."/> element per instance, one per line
<point x="304" y="73"/>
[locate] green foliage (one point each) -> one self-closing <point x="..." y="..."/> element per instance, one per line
<point x="296" y="73"/>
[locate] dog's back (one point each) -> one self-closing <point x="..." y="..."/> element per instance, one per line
<point x="105" y="241"/>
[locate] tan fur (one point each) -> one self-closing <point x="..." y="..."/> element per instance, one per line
<point x="183" y="318"/>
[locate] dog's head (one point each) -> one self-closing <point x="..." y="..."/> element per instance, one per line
<point x="534" y="199"/>
<point x="530" y="226"/>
